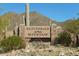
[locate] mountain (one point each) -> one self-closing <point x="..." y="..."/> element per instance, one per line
<point x="36" y="19"/>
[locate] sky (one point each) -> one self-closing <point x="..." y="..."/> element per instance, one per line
<point x="55" y="11"/>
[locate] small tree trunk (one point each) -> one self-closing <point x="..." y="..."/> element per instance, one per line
<point x="73" y="38"/>
<point x="77" y="39"/>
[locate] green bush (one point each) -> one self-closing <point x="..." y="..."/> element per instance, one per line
<point x="13" y="42"/>
<point x="63" y="38"/>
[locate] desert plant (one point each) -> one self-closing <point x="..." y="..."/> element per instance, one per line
<point x="64" y="38"/>
<point x="13" y="42"/>
<point x="73" y="27"/>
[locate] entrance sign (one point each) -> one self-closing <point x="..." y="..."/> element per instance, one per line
<point x="36" y="31"/>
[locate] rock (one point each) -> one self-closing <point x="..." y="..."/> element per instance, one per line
<point x="27" y="50"/>
<point x="61" y="53"/>
<point x="13" y="52"/>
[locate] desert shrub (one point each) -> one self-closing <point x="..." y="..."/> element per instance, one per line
<point x="63" y="38"/>
<point x="13" y="42"/>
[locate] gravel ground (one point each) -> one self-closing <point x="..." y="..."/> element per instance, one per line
<point x="43" y="49"/>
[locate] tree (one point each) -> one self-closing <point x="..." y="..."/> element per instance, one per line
<point x="73" y="27"/>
